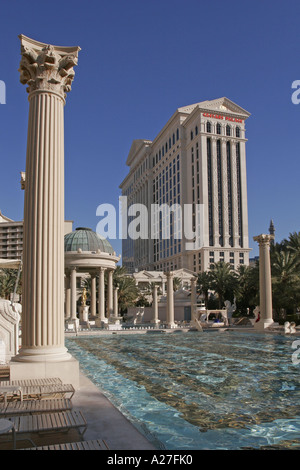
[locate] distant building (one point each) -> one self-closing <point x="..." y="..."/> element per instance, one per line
<point x="198" y="158"/>
<point x="272" y="231"/>
<point x="11" y="237"/>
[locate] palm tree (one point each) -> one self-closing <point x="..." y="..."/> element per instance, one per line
<point x="224" y="281"/>
<point x="293" y="245"/>
<point x="204" y="284"/>
<point x="8" y="279"/>
<point x="247" y="294"/>
<point x="285" y="279"/>
<point x="127" y="294"/>
<point x="128" y="291"/>
<point x="176" y="284"/>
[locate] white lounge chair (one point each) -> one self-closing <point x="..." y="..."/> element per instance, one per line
<point x="35" y="406"/>
<point x="51" y="390"/>
<point x="82" y="445"/>
<point x="50" y="422"/>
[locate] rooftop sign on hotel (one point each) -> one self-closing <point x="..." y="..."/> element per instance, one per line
<point x="219" y="116"/>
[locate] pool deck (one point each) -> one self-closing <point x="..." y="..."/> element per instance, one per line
<point x="105" y="421"/>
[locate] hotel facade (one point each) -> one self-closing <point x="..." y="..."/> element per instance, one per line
<point x="197" y="164"/>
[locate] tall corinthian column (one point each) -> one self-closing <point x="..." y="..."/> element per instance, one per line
<point x="265" y="281"/>
<point x="170" y="300"/>
<point x="48" y="72"/>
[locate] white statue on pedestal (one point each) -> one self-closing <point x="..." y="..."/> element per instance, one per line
<point x="231" y="308"/>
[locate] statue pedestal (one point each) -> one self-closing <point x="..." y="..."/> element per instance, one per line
<point x="101" y="323"/>
<point x="72" y="324"/>
<point x="114" y="323"/>
<point x="84" y="313"/>
<point x="67" y="370"/>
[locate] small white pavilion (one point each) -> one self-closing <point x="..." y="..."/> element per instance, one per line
<point x="87" y="253"/>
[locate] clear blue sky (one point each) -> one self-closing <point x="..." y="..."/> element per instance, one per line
<point x="140" y="61"/>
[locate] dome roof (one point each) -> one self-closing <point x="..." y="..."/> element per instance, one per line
<point x="85" y="239"/>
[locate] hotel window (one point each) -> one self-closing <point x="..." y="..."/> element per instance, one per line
<point x="170" y="144"/>
<point x="177" y="134"/>
<point x="192" y="135"/>
<point x="208" y="127"/>
<point x="237" y="132"/>
<point x="228" y="130"/>
<point x="173" y="138"/>
<point x="218" y="128"/>
<point x="196" y="130"/>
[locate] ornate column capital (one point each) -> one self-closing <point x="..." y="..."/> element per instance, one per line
<point x="44" y="67"/>
<point x="169" y="274"/>
<point x="263" y="239"/>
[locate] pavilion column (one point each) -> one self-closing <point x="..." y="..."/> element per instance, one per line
<point x="116" y="307"/>
<point x="48" y="72"/>
<point x="170" y="300"/>
<point x="101" y="294"/>
<point x="73" y="294"/>
<point x="265" y="281"/>
<point x="93" y="295"/>
<point x="67" y="296"/>
<point x="110" y="293"/>
<point x="193" y="298"/>
<point x="155" y="304"/>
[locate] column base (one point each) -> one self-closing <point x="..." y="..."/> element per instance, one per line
<point x="101" y="322"/>
<point x="67" y="370"/>
<point x="42" y="354"/>
<point x="72" y="324"/>
<point x="172" y="325"/>
<point x="263" y="324"/>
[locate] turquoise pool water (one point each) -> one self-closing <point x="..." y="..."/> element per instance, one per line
<point x="211" y="390"/>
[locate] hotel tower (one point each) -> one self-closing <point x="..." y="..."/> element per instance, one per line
<point x="197" y="164"/>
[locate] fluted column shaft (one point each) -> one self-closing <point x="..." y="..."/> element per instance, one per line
<point x="170" y="299"/>
<point x="101" y="294"/>
<point x="116" y="312"/>
<point x="193" y="298"/>
<point x="73" y="294"/>
<point x="43" y="263"/>
<point x="93" y="295"/>
<point x="155" y="304"/>
<point x="265" y="281"/>
<point x="110" y="293"/>
<point x="68" y="296"/>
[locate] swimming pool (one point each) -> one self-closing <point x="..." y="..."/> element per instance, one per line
<point x="211" y="390"/>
